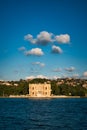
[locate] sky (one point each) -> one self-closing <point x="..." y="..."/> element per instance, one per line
<point x="43" y="39"/>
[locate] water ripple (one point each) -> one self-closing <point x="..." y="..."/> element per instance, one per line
<point x="42" y="114"/>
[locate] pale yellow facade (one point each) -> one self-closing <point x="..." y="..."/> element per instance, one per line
<point x="40" y="90"/>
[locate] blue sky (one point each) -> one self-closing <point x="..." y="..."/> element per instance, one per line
<point x="43" y="38"/>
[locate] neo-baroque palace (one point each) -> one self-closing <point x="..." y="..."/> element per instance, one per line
<point x="40" y="90"/>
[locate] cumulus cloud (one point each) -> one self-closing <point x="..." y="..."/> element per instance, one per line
<point x="39" y="63"/>
<point x="56" y="49"/>
<point x="38" y="76"/>
<point x="70" y="69"/>
<point x="22" y="48"/>
<point x="34" y="51"/>
<point x="63" y="38"/>
<point x="41" y="76"/>
<point x="85" y="74"/>
<point x="42" y="38"/>
<point x="30" y="77"/>
<point x="56" y="77"/>
<point x="30" y="38"/>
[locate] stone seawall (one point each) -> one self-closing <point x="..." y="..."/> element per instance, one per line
<point x="27" y="96"/>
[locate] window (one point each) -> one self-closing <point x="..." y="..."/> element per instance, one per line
<point x="45" y="93"/>
<point x="32" y="88"/>
<point x="32" y="93"/>
<point x="46" y="88"/>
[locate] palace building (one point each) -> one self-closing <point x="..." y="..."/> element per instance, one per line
<point x="40" y="90"/>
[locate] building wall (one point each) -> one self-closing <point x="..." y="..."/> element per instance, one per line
<point x="40" y="90"/>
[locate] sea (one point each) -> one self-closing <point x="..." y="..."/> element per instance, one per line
<point x="43" y="114"/>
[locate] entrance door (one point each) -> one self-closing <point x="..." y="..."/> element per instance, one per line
<point x="39" y="94"/>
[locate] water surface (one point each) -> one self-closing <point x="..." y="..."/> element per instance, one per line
<point x="43" y="114"/>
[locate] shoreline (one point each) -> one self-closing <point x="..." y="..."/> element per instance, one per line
<point x="50" y="97"/>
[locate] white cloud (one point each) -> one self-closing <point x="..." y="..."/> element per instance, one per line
<point x="56" y="49"/>
<point x="56" y="77"/>
<point x="39" y="63"/>
<point x="70" y="69"/>
<point x="85" y="74"/>
<point x="30" y="38"/>
<point x="35" y="51"/>
<point x="41" y="76"/>
<point x="22" y="48"/>
<point x="38" y="76"/>
<point x="63" y="38"/>
<point x="30" y="77"/>
<point x="43" y="38"/>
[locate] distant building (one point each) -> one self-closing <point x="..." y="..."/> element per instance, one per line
<point x="15" y="84"/>
<point x="40" y="90"/>
<point x="84" y="85"/>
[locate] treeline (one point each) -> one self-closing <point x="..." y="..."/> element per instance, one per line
<point x="22" y="88"/>
<point x="39" y="80"/>
<point x="67" y="90"/>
